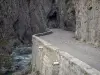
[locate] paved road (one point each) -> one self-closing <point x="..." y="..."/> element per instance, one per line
<point x="65" y="41"/>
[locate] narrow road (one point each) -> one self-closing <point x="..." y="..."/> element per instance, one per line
<point x="65" y="41"/>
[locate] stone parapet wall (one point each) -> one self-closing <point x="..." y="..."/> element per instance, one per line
<point x="70" y="65"/>
<point x="45" y="57"/>
<point x="49" y="60"/>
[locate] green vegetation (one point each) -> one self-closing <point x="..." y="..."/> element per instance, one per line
<point x="6" y="62"/>
<point x="3" y="42"/>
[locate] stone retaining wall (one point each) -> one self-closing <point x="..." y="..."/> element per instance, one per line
<point x="49" y="60"/>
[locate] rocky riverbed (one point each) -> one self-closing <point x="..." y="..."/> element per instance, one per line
<point x="21" y="60"/>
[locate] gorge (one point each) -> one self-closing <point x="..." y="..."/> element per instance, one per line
<point x="20" y="19"/>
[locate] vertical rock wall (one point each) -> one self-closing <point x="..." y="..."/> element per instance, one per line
<point x="81" y="16"/>
<point x="18" y="19"/>
<point x="22" y="18"/>
<point x="67" y="15"/>
<point x="87" y="21"/>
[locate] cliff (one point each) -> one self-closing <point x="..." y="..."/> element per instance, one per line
<point x="87" y="21"/>
<point x="20" y="19"/>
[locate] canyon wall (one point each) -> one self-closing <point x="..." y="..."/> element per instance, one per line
<point x="81" y="16"/>
<point x="67" y="14"/>
<point x="87" y="21"/>
<point x="19" y="19"/>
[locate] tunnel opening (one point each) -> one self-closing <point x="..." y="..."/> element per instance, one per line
<point x="53" y="1"/>
<point x="53" y="16"/>
<point x="52" y="20"/>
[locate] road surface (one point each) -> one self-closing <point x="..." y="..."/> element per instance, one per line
<point x="65" y="41"/>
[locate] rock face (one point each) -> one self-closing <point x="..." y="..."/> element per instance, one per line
<point x="17" y="24"/>
<point x="17" y="19"/>
<point x="67" y="14"/>
<point x="87" y="21"/>
<point x="22" y="18"/>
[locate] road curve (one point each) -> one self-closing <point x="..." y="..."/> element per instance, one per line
<point x="65" y="41"/>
